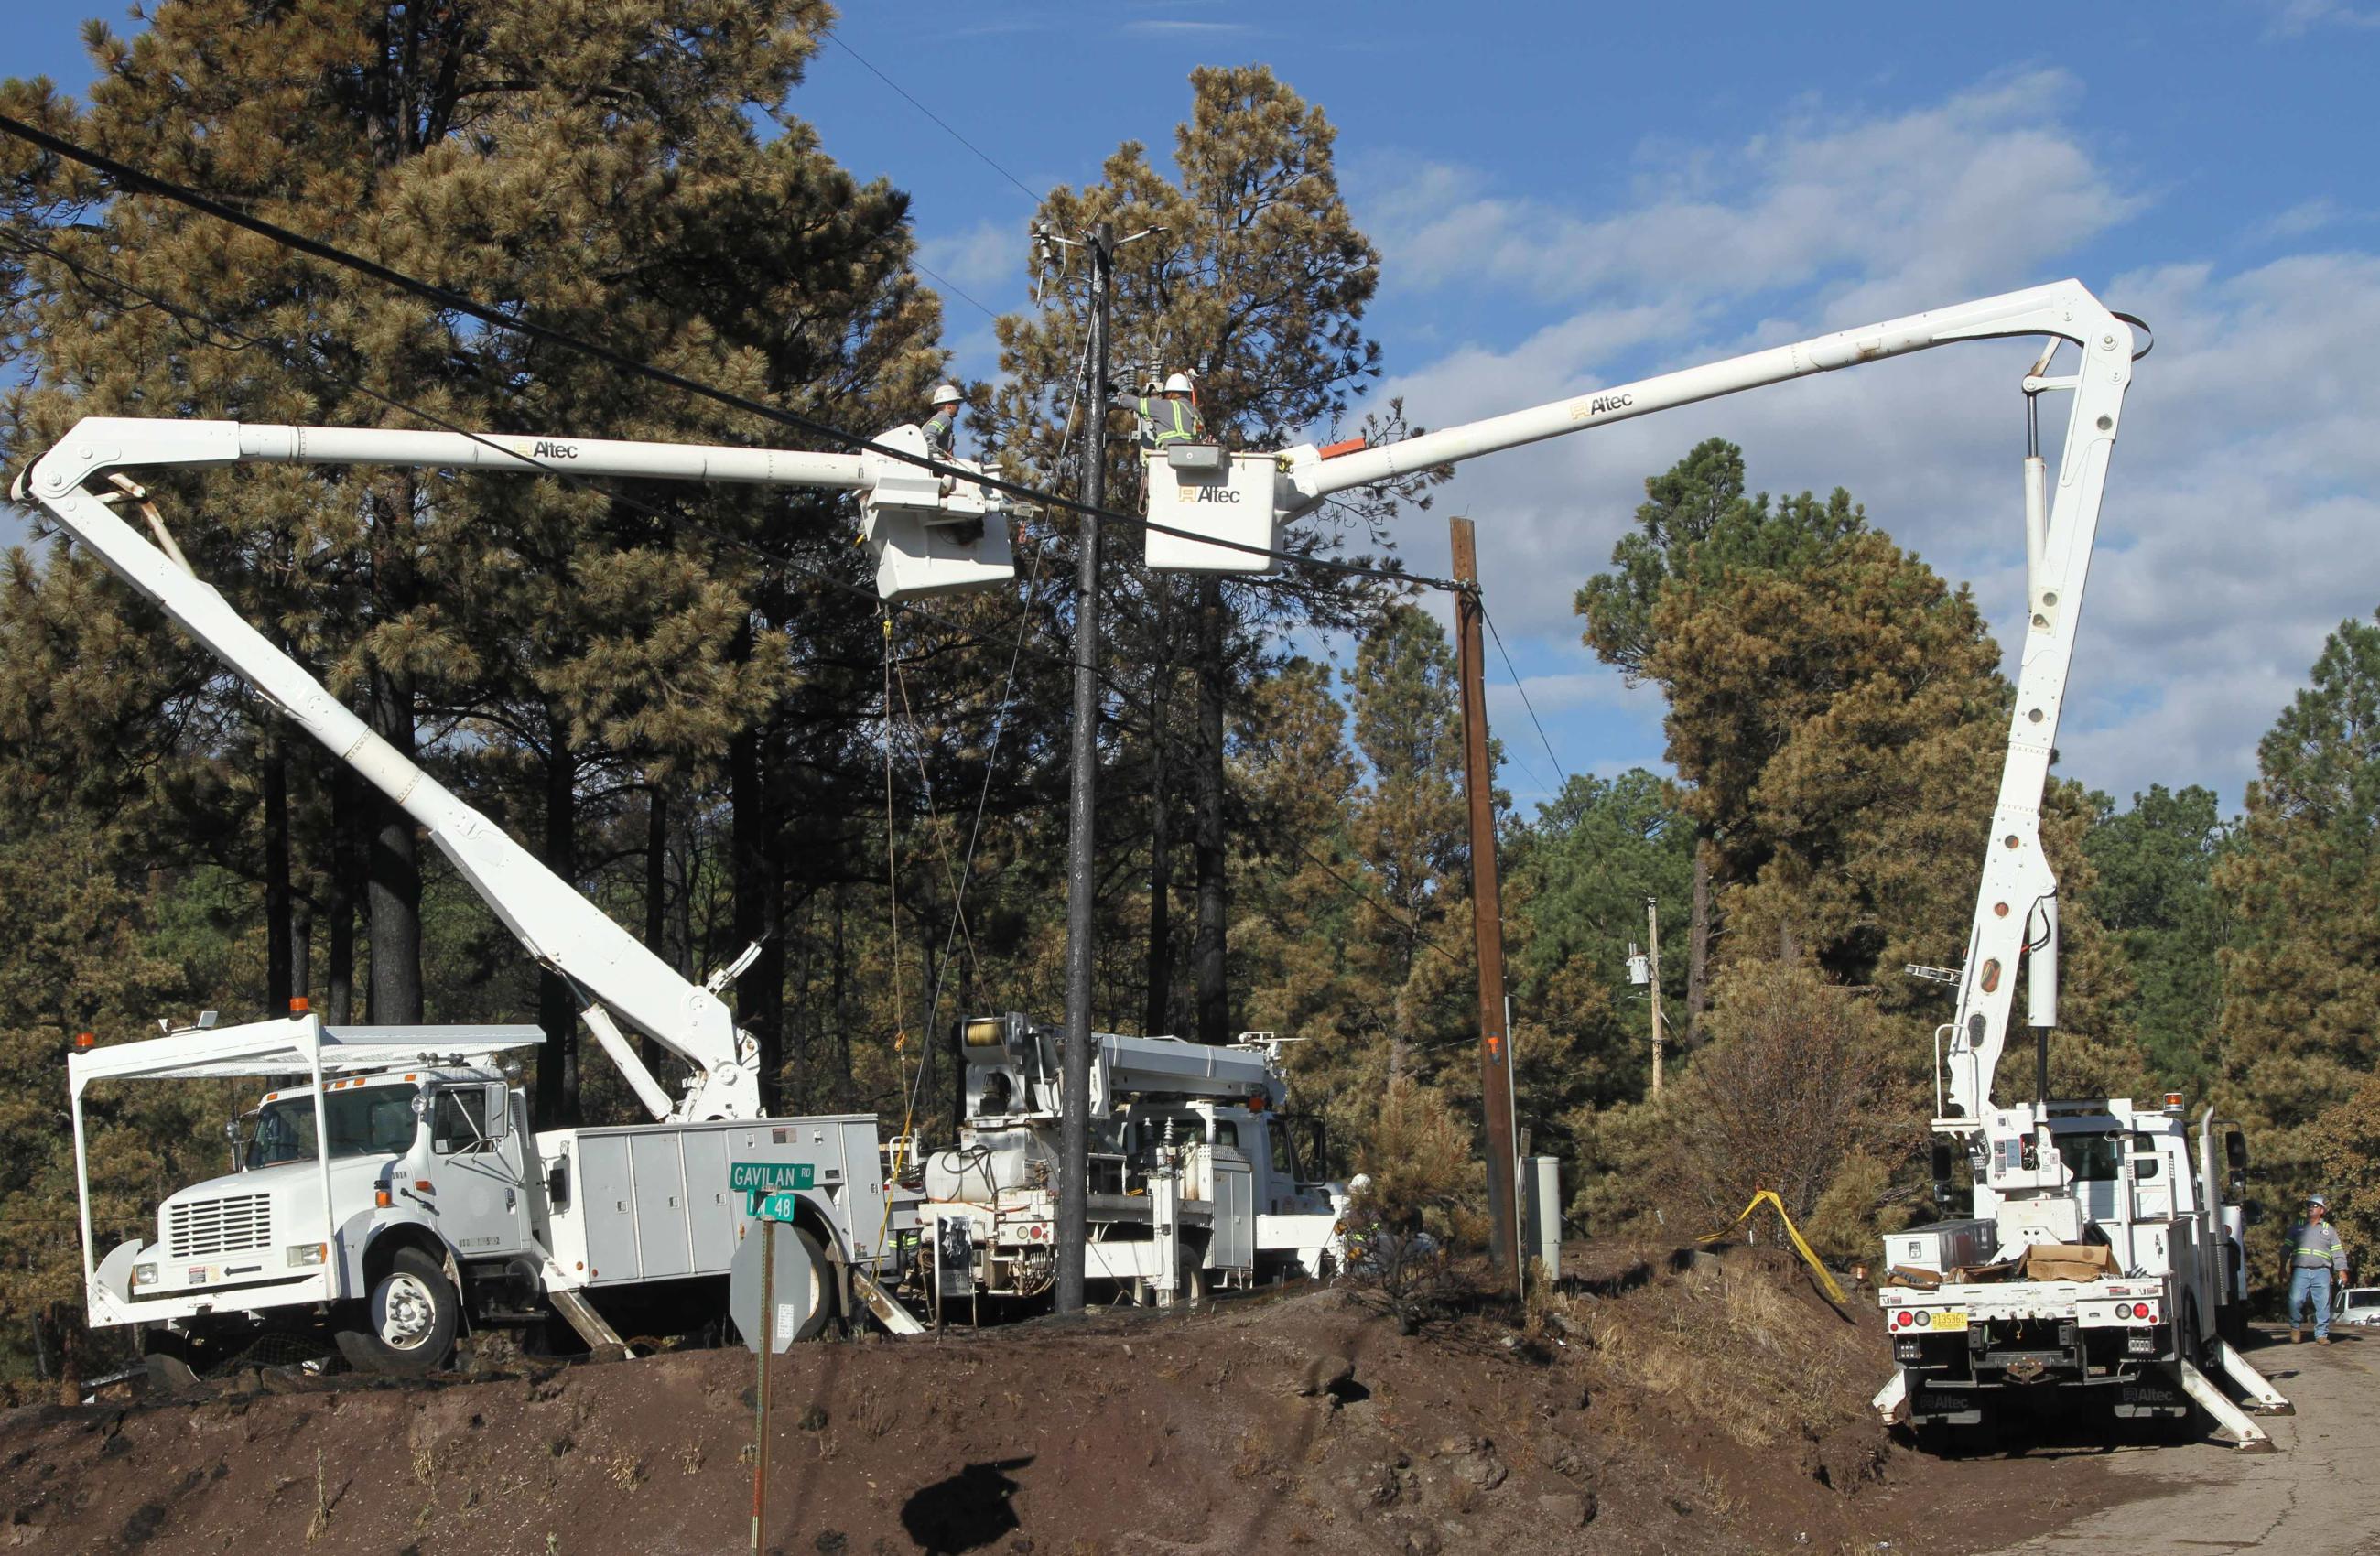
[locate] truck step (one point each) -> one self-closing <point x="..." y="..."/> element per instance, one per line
<point x="579" y="1313"/>
<point x="889" y="1313"/>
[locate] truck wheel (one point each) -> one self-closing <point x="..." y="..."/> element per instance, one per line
<point x="817" y="1284"/>
<point x="409" y="1321"/>
<point x="165" y="1356"/>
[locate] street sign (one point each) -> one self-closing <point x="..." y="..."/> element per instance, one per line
<point x="746" y="1177"/>
<point x="776" y="1207"/>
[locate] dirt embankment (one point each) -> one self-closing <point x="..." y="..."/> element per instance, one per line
<point x="1715" y="1405"/>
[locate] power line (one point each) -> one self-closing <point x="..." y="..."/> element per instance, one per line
<point x="134" y="178"/>
<point x="837" y="40"/>
<point x="1518" y="686"/>
<point x="240" y="341"/>
<point x="1375" y="902"/>
<point x="953" y="291"/>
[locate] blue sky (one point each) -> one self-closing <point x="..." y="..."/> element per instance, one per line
<point x="1568" y="195"/>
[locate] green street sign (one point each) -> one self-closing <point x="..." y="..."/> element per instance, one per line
<point x="776" y="1207"/>
<point x="753" y="1177"/>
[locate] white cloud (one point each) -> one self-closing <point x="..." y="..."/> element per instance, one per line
<point x="2301" y="220"/>
<point x="2292" y="18"/>
<point x="1941" y="201"/>
<point x="2239" y="510"/>
<point x="987" y="257"/>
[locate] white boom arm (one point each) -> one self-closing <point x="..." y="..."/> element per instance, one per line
<point x="2016" y="906"/>
<point x="611" y="970"/>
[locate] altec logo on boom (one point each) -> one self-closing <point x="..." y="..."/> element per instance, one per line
<point x="1599" y="404"/>
<point x="1216" y="494"/>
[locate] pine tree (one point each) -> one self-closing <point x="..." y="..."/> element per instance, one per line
<point x="601" y="172"/>
<point x="2155" y="892"/>
<point x="1252" y="275"/>
<point x="2301" y="975"/>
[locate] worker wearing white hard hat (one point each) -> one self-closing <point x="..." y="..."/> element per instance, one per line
<point x="942" y="428"/>
<point x="1169" y="417"/>
<point x="2317" y="1259"/>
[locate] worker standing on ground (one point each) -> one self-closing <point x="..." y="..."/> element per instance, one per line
<point x="942" y="428"/>
<point x="2317" y="1260"/>
<point x="1172" y="417"/>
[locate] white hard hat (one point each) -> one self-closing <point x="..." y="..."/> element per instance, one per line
<point x="1178" y="384"/>
<point x="948" y="395"/>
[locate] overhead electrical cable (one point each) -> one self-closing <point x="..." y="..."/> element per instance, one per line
<point x="1522" y="687"/>
<point x="135" y="179"/>
<point x="836" y="38"/>
<point x="237" y="340"/>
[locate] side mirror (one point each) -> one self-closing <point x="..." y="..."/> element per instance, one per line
<point x="1941" y="1163"/>
<point x="2235" y="1151"/>
<point x="557" y="1186"/>
<point x="2252" y="1213"/>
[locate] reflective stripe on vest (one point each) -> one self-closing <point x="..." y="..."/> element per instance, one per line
<point x="1178" y="424"/>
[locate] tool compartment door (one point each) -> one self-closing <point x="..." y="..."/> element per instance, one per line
<point x="1232" y="1244"/>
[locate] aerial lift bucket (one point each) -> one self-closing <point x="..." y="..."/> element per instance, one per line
<point x="1201" y="495"/>
<point x="931" y="534"/>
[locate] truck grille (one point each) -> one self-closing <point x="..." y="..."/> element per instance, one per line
<point x="218" y="1226"/>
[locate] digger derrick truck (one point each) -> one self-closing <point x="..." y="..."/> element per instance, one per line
<point x="395" y="1191"/>
<point x="388" y="1189"/>
<point x="2114" y="1187"/>
<point x="1196" y="1180"/>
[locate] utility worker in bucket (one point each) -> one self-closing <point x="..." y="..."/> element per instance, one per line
<point x="1172" y="417"/>
<point x="2317" y="1262"/>
<point x="942" y="428"/>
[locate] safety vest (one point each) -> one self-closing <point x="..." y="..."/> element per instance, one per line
<point x="2315" y="1246"/>
<point x="938" y="431"/>
<point x="1169" y="422"/>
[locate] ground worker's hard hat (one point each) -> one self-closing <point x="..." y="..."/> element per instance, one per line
<point x="2317" y="1199"/>
<point x="948" y="395"/>
<point x="1178" y="384"/>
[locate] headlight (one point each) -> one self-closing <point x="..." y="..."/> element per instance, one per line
<point x="301" y="1254"/>
<point x="143" y="1275"/>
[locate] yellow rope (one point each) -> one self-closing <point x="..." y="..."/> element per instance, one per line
<point x="1826" y="1281"/>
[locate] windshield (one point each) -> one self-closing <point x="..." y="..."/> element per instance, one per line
<point x="376" y="1121"/>
<point x="2093" y="1159"/>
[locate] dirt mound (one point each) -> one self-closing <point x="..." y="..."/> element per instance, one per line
<point x="1694" y="1404"/>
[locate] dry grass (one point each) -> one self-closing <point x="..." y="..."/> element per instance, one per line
<point x="1732" y="1346"/>
<point x="321" y="1523"/>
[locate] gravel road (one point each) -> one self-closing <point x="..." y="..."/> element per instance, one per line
<point x="2313" y="1498"/>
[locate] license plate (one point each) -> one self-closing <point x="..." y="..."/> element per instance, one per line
<point x="1952" y="1319"/>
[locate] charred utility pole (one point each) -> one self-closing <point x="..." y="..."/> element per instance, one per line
<point x="1486" y="917"/>
<point x="1653" y="957"/>
<point x="1074" y="1132"/>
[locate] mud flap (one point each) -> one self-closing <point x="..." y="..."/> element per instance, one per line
<point x="2227" y="1416"/>
<point x="2269" y="1400"/>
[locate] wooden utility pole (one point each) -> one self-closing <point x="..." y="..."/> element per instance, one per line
<point x="1653" y="977"/>
<point x="1486" y="916"/>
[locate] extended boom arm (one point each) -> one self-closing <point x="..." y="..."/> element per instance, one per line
<point x="2016" y="906"/>
<point x="611" y="970"/>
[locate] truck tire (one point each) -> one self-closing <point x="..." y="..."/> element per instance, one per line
<point x="820" y="1282"/>
<point x="407" y="1323"/>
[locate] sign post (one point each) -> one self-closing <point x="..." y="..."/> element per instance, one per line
<point x="771" y="1191"/>
<point x="760" y="1360"/>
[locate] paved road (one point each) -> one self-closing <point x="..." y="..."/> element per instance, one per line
<point x="2313" y="1498"/>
